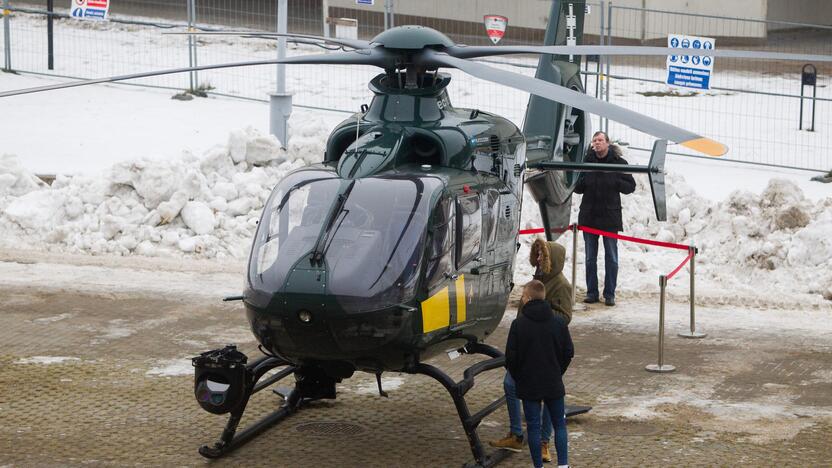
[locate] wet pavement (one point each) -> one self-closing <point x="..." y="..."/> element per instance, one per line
<point x="89" y="379"/>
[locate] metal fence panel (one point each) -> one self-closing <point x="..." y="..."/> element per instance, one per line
<point x="752" y="106"/>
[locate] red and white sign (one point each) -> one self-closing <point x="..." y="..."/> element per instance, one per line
<point x="495" y="26"/>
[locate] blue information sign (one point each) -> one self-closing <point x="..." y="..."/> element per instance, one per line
<point x="690" y="67"/>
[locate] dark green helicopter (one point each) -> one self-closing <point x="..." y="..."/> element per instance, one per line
<point x="401" y="244"/>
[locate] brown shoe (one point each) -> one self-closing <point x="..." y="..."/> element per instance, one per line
<point x="509" y="442"/>
<point x="544" y="452"/>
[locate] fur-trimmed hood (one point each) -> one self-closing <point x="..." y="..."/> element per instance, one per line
<point x="614" y="152"/>
<point x="554" y="256"/>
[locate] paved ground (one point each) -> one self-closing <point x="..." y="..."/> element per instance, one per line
<point x="737" y="398"/>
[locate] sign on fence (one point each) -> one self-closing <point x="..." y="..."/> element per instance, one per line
<point x="364" y="2"/>
<point x="691" y="68"/>
<point x="495" y="27"/>
<point x="90" y="9"/>
<point x="345" y="28"/>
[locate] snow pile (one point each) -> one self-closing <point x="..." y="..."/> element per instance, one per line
<point x="209" y="206"/>
<point x="14" y="179"/>
<point x="206" y="206"/>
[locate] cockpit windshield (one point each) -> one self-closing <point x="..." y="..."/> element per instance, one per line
<point x="291" y="222"/>
<point x="376" y="249"/>
<point x="371" y="241"/>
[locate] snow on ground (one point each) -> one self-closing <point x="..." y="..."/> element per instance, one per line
<point x="118" y="280"/>
<point x="172" y="368"/>
<point x="46" y="360"/>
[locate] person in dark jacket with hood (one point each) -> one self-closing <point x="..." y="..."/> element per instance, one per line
<point x="548" y="259"/>
<point x="601" y="209"/>
<point x="538" y="352"/>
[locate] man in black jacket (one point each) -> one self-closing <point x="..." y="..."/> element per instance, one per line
<point x="601" y="209"/>
<point x="538" y="352"/>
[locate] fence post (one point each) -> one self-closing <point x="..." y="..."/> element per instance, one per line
<point x="325" y="15"/>
<point x="7" y="52"/>
<point x="192" y="77"/>
<point x="599" y="91"/>
<point x="661" y="367"/>
<point x="692" y="333"/>
<point x="607" y="84"/>
<point x="50" y="35"/>
<point x="575" y="305"/>
<point x="280" y="102"/>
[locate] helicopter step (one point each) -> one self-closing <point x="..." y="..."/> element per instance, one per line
<point x="224" y="382"/>
<point x="457" y="390"/>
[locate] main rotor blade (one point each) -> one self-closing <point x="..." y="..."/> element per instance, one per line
<point x="353" y="43"/>
<point x="589" y="104"/>
<point x="467" y="52"/>
<point x="377" y="57"/>
<point x="73" y="84"/>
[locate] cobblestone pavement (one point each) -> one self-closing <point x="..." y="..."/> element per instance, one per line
<point x="734" y="400"/>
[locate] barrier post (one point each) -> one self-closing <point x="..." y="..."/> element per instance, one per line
<point x="693" y="333"/>
<point x="575" y="305"/>
<point x="661" y="367"/>
<point x="280" y="102"/>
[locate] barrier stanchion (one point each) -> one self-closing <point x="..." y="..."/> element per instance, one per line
<point x="575" y="304"/>
<point x="661" y="367"/>
<point x="692" y="333"/>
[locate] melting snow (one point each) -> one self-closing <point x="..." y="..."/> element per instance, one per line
<point x="46" y="360"/>
<point x="172" y="368"/>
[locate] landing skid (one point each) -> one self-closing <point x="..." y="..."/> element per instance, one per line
<point x="457" y="390"/>
<point x="312" y="384"/>
<point x="230" y="440"/>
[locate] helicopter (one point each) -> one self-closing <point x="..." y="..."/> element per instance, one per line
<point x="401" y="244"/>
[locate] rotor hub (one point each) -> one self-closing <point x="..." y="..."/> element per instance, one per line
<point x="412" y="38"/>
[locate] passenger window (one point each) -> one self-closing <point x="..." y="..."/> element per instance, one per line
<point x="492" y="212"/>
<point x="440" y="260"/>
<point x="469" y="227"/>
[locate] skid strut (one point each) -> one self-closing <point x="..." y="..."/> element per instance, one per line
<point x="458" y="390"/>
<point x="229" y="440"/>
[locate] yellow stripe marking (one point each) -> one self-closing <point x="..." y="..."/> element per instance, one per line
<point x="436" y="313"/>
<point x="460" y="299"/>
<point x="707" y="146"/>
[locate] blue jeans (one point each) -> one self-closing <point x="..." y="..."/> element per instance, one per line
<point x="610" y="266"/>
<point x="514" y="421"/>
<point x="557" y="410"/>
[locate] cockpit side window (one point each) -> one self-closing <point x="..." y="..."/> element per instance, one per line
<point x="440" y="259"/>
<point x="469" y="226"/>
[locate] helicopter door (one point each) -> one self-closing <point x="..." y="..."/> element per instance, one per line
<point x="469" y="256"/>
<point x="491" y="266"/>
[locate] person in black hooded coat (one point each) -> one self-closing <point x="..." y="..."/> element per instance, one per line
<point x="538" y="352"/>
<point x="601" y="209"/>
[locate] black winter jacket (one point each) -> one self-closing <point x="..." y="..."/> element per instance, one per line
<point x="538" y="352"/>
<point x="601" y="202"/>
